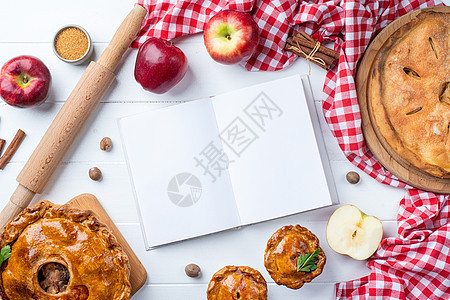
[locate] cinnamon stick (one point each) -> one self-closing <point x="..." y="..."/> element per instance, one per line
<point x="322" y="49"/>
<point x="296" y="47"/>
<point x="296" y="50"/>
<point x="12" y="148"/>
<point x="2" y="143"/>
<point x="303" y="35"/>
<point x="305" y="46"/>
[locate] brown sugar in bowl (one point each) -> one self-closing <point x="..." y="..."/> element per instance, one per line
<point x="72" y="44"/>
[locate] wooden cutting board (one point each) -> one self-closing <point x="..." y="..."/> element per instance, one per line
<point x="138" y="274"/>
<point x="380" y="149"/>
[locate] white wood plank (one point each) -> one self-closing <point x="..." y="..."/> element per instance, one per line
<point x="37" y="21"/>
<point x="369" y="195"/>
<point x="198" y="291"/>
<point x="244" y="246"/>
<point x="27" y="27"/>
<point x="333" y="149"/>
<point x="70" y="180"/>
<point x="204" y="77"/>
<point x="103" y="123"/>
<point x="35" y="122"/>
<point x="115" y="191"/>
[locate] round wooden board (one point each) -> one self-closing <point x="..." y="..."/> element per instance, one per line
<point x="383" y="153"/>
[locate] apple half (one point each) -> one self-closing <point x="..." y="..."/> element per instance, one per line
<point x="353" y="233"/>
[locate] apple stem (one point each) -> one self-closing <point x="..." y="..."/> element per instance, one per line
<point x="25" y="78"/>
<point x="354" y="234"/>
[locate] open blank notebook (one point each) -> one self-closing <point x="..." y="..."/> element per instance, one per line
<point x="234" y="159"/>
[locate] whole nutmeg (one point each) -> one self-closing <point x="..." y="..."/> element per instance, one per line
<point x="192" y="270"/>
<point x="106" y="144"/>
<point x="352" y="177"/>
<point x="95" y="173"/>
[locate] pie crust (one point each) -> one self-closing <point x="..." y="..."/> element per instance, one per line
<point x="409" y="94"/>
<point x="237" y="282"/>
<point x="48" y="233"/>
<point x="282" y="251"/>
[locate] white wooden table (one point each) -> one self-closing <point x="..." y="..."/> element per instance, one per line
<point x="27" y="27"/>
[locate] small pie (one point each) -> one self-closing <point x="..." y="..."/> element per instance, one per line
<point x="282" y="251"/>
<point x="409" y="94"/>
<point x="58" y="252"/>
<point x="237" y="282"/>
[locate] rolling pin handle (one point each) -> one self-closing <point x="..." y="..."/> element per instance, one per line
<point x="123" y="38"/>
<point x="20" y="199"/>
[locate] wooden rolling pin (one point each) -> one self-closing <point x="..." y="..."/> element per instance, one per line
<point x="71" y="119"/>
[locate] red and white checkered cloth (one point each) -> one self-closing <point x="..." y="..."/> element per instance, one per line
<point x="416" y="265"/>
<point x="413" y="266"/>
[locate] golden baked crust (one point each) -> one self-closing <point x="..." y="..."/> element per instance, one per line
<point x="282" y="251"/>
<point x="237" y="282"/>
<point x="409" y="94"/>
<point x="47" y="233"/>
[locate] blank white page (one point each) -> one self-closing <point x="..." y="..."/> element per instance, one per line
<point x="275" y="165"/>
<point x="176" y="198"/>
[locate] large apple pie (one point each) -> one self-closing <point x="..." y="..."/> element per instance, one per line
<point x="58" y="252"/>
<point x="409" y="94"/>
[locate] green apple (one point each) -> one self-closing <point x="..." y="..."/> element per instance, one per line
<point x="352" y="232"/>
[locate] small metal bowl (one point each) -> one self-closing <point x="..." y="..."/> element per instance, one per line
<point x="85" y="56"/>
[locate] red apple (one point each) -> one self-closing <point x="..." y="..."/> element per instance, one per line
<point x="231" y="36"/>
<point x="159" y="65"/>
<point x="24" y="81"/>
